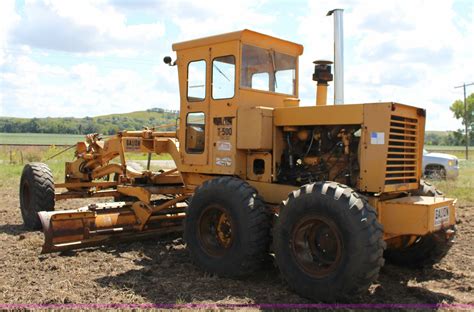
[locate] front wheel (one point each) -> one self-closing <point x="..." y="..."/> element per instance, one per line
<point x="328" y="243"/>
<point x="36" y="193"/>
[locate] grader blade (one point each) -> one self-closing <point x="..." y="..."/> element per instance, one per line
<point x="83" y="227"/>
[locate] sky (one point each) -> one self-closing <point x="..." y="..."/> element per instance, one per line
<point x="79" y="58"/>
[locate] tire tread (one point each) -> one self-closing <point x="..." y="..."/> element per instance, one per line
<point x="256" y="248"/>
<point x="370" y="267"/>
<point x="42" y="197"/>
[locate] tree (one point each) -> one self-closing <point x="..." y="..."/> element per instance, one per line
<point x="32" y="126"/>
<point x="466" y="116"/>
<point x="458" y="109"/>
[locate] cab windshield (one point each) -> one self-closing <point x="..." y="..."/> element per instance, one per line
<point x="268" y="70"/>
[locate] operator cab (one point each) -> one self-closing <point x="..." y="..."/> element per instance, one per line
<point x="220" y="75"/>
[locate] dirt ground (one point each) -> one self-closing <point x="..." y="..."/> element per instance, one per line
<point x="160" y="271"/>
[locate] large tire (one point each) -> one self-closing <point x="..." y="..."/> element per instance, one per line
<point x="227" y="227"/>
<point x="36" y="193"/>
<point x="328" y="243"/>
<point x="425" y="250"/>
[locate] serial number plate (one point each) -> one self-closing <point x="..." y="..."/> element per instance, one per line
<point x="441" y="215"/>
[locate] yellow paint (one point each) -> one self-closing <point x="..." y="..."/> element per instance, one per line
<point x="413" y="215"/>
<point x="254" y="129"/>
<point x="247" y="126"/>
<point x="271" y="192"/>
<point x="319" y="115"/>
<point x="321" y="94"/>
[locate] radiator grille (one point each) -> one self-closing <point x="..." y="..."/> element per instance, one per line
<point x="402" y="160"/>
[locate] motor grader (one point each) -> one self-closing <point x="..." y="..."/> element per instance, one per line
<point x="327" y="190"/>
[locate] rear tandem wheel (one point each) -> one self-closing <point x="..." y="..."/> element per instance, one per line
<point x="227" y="227"/>
<point x="328" y="243"/>
<point x="425" y="250"/>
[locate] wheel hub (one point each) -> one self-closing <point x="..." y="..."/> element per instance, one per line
<point x="215" y="230"/>
<point x="317" y="245"/>
<point x="224" y="230"/>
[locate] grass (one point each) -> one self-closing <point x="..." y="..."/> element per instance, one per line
<point x="40" y="138"/>
<point x="12" y="160"/>
<point x="447" y="148"/>
<point x="461" y="188"/>
<point x="458" y="151"/>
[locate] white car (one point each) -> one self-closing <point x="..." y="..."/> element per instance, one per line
<point x="440" y="165"/>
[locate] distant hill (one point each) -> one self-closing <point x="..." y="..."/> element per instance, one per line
<point x="107" y="124"/>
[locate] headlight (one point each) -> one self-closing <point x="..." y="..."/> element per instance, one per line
<point x="451" y="163"/>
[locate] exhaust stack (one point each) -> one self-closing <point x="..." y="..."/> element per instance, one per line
<point x="338" y="55"/>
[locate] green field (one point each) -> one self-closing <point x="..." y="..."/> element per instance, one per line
<point x="458" y="151"/>
<point x="447" y="148"/>
<point x="40" y="138"/>
<point x="461" y="188"/>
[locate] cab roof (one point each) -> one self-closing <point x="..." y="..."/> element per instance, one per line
<point x="245" y="36"/>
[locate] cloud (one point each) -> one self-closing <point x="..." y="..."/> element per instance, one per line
<point x="105" y="55"/>
<point x="89" y="81"/>
<point x="40" y="90"/>
<point x="412" y="52"/>
<point x="194" y="19"/>
<point x="82" y="26"/>
<point x="8" y="19"/>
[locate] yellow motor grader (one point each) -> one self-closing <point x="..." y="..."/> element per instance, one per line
<point x="329" y="190"/>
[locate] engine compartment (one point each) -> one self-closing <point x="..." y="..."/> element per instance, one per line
<point x="320" y="153"/>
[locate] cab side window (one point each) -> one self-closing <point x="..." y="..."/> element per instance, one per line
<point x="195" y="132"/>
<point x="196" y="81"/>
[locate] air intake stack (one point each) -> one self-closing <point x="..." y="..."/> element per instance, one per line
<point x="322" y="75"/>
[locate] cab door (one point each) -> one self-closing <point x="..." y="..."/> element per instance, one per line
<point x="194" y="123"/>
<point x="223" y="106"/>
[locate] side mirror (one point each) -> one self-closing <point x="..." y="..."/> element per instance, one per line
<point x="169" y="61"/>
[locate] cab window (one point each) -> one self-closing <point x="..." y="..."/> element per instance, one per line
<point x="268" y="70"/>
<point x="196" y="81"/>
<point x="195" y="133"/>
<point x="223" y="77"/>
<point x="260" y="81"/>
